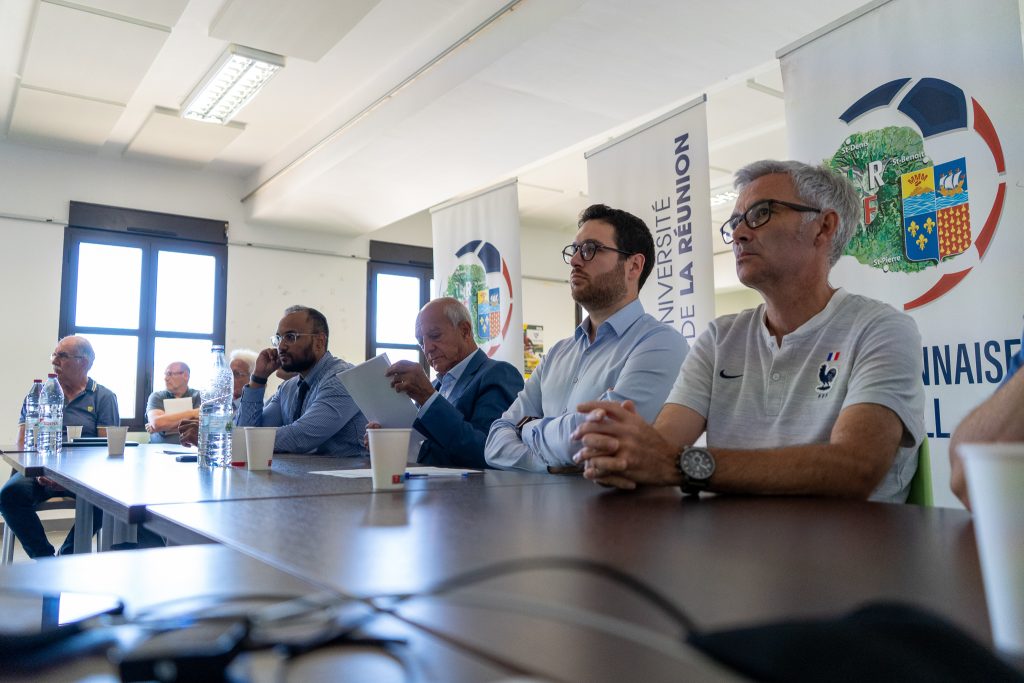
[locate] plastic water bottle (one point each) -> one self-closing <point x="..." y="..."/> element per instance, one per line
<point x="32" y="415"/>
<point x="215" y="415"/>
<point x="51" y="417"/>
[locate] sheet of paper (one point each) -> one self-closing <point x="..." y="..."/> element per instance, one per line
<point x="177" y="405"/>
<point x="372" y="392"/>
<point x="413" y="472"/>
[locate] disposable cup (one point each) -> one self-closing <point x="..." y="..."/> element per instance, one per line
<point x="238" y="447"/>
<point x="388" y="451"/>
<point x="74" y="432"/>
<point x="259" y="447"/>
<point x="115" y="440"/>
<point x="995" y="481"/>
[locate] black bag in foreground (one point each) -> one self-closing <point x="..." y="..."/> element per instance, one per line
<point x="878" y="642"/>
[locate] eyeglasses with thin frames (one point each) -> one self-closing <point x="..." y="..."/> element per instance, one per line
<point x="588" y="250"/>
<point x="63" y="355"/>
<point x="290" y="337"/>
<point x="757" y="215"/>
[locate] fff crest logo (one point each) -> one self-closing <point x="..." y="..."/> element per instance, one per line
<point x="917" y="210"/>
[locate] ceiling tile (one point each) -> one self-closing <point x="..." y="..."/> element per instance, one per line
<point x="166" y="135"/>
<point x="90" y="55"/>
<point x="62" y="120"/>
<point x="306" y="29"/>
<point x="163" y="12"/>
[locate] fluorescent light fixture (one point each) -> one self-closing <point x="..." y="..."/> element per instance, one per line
<point x="232" y="82"/>
<point x="724" y="197"/>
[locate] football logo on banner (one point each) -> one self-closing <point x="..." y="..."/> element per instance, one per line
<point x="916" y="212"/>
<point x="482" y="282"/>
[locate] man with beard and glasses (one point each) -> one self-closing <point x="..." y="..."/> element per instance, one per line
<point x="313" y="411"/>
<point x="617" y="353"/>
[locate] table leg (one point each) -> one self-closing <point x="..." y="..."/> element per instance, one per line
<point x="107" y="535"/>
<point x="83" y="526"/>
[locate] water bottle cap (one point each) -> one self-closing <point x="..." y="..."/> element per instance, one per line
<point x="217" y="347"/>
<point x="37" y="380"/>
<point x="52" y="374"/>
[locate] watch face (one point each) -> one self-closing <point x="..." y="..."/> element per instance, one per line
<point x="698" y="464"/>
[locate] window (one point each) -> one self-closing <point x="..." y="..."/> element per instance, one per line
<point x="143" y="301"/>
<point x="399" y="284"/>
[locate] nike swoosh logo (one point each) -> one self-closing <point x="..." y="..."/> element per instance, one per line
<point x="721" y="373"/>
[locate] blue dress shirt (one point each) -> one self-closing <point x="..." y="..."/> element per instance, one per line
<point x="633" y="356"/>
<point x="330" y="421"/>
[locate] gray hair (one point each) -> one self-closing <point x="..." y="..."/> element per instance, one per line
<point x="456" y="311"/>
<point x="83" y="347"/>
<point x="247" y="356"/>
<point x="816" y="186"/>
<point x="453" y="309"/>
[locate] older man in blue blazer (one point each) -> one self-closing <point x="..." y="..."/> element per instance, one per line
<point x="470" y="393"/>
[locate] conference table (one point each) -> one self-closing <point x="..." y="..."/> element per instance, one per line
<point x="148" y="474"/>
<point x="529" y="555"/>
<point x="184" y="580"/>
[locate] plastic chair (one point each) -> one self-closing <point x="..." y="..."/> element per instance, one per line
<point x="58" y="503"/>
<point x="921" y="485"/>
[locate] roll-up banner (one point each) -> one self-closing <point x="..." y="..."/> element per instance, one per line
<point x="659" y="172"/>
<point x="477" y="261"/>
<point x="919" y="102"/>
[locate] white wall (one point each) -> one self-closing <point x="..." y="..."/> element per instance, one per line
<point x="40" y="183"/>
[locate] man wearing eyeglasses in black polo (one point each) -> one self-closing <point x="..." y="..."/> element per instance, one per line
<point x="313" y="412"/>
<point x="86" y="403"/>
<point x="815" y="392"/>
<point x="617" y="353"/>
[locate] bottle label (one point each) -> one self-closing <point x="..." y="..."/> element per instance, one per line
<point x="49" y="424"/>
<point x="216" y="423"/>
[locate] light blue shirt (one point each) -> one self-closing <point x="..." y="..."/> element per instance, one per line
<point x="330" y="421"/>
<point x="446" y="385"/>
<point x="633" y="356"/>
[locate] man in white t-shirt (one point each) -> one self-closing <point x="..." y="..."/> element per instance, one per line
<point x="815" y="392"/>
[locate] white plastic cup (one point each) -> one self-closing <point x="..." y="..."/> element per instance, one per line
<point x="259" y="447"/>
<point x="238" y="447"/>
<point x="995" y="481"/>
<point x="388" y="451"/>
<point x="115" y="440"/>
<point x="74" y="432"/>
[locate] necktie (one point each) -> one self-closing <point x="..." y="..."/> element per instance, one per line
<point x="447" y="384"/>
<point x="303" y="390"/>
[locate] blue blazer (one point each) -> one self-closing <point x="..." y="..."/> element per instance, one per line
<point x="456" y="431"/>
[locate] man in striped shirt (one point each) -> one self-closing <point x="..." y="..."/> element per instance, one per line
<point x="312" y="411"/>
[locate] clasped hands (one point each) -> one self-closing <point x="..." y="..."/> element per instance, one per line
<point x="620" y="448"/>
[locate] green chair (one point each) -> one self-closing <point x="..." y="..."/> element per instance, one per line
<point x="921" y="484"/>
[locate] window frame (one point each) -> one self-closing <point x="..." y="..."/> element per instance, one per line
<point x="402" y="260"/>
<point x="151" y="245"/>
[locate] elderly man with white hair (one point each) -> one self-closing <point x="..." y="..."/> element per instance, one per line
<point x="86" y="403"/>
<point x="815" y="392"/>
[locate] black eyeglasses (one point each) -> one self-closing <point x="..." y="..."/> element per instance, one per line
<point x="588" y="249"/>
<point x="759" y="214"/>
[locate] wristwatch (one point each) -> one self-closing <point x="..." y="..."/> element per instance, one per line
<point x="696" y="465"/>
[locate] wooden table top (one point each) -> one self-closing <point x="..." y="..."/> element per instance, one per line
<point x="150" y="475"/>
<point x="727" y="560"/>
<point x="188" y="579"/>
